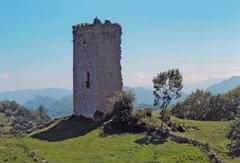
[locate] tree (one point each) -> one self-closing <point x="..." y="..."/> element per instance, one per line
<point x="167" y="86"/>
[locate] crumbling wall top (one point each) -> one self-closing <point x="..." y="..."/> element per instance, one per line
<point x="96" y="21"/>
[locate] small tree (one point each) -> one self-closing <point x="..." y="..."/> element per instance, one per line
<point x="167" y="86"/>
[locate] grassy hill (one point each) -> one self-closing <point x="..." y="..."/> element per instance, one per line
<point x="71" y="140"/>
<point x="212" y="132"/>
<point x="91" y="147"/>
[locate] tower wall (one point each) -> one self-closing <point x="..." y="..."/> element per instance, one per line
<point x="96" y="66"/>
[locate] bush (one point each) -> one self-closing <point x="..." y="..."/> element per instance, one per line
<point x="138" y="113"/>
<point x="234" y="136"/>
<point x="165" y="116"/>
<point x="121" y="105"/>
<point x="147" y="112"/>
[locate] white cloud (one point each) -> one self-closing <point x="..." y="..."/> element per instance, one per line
<point x="4" y="76"/>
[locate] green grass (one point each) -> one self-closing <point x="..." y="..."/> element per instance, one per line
<point x="92" y="147"/>
<point x="4" y="123"/>
<point x="79" y="140"/>
<point x="212" y="132"/>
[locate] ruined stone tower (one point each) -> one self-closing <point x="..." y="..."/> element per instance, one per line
<point x="96" y="67"/>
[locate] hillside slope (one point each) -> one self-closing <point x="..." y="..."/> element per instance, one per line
<point x="92" y="147"/>
<point x="39" y="100"/>
<point x="225" y="85"/>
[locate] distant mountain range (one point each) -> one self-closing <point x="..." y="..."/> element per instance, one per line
<point x="39" y="100"/>
<point x="225" y="85"/>
<point x="55" y="108"/>
<point x="22" y="96"/>
<point x="59" y="102"/>
<point x="145" y="96"/>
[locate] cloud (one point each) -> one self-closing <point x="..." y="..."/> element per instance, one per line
<point x="4" y="76"/>
<point x="234" y="71"/>
<point x="143" y="76"/>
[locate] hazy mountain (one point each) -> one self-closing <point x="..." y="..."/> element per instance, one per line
<point x="59" y="102"/>
<point x="39" y="100"/>
<point x="190" y="87"/>
<point x="22" y="96"/>
<point x="225" y="85"/>
<point x="145" y="96"/>
<point x="61" y="107"/>
<point x="142" y="95"/>
<point x="54" y="108"/>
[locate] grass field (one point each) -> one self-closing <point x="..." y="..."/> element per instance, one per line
<point x="94" y="148"/>
<point x="74" y="144"/>
<point x="4" y="124"/>
<point x="210" y="132"/>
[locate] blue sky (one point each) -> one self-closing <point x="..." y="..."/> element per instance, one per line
<point x="200" y="37"/>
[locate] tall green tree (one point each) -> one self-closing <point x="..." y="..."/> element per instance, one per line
<point x="167" y="86"/>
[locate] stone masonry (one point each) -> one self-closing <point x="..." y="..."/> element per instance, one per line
<point x="96" y="67"/>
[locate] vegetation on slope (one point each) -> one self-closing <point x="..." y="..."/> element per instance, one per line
<point x="201" y="105"/>
<point x="14" y="117"/>
<point x="234" y="136"/>
<point x="92" y="146"/>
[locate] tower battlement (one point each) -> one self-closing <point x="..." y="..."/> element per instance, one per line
<point x="96" y="22"/>
<point x="96" y="67"/>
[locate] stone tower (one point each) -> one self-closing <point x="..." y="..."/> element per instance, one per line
<point x="96" y="67"/>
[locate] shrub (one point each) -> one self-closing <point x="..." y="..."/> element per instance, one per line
<point x="138" y="113"/>
<point x="147" y="112"/>
<point x="165" y="116"/>
<point x="121" y="105"/>
<point x="234" y="136"/>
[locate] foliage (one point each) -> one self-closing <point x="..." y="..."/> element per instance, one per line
<point x="146" y="112"/>
<point x="234" y="136"/>
<point x="202" y="105"/>
<point x="20" y="118"/>
<point x="167" y="86"/>
<point x="121" y="105"/>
